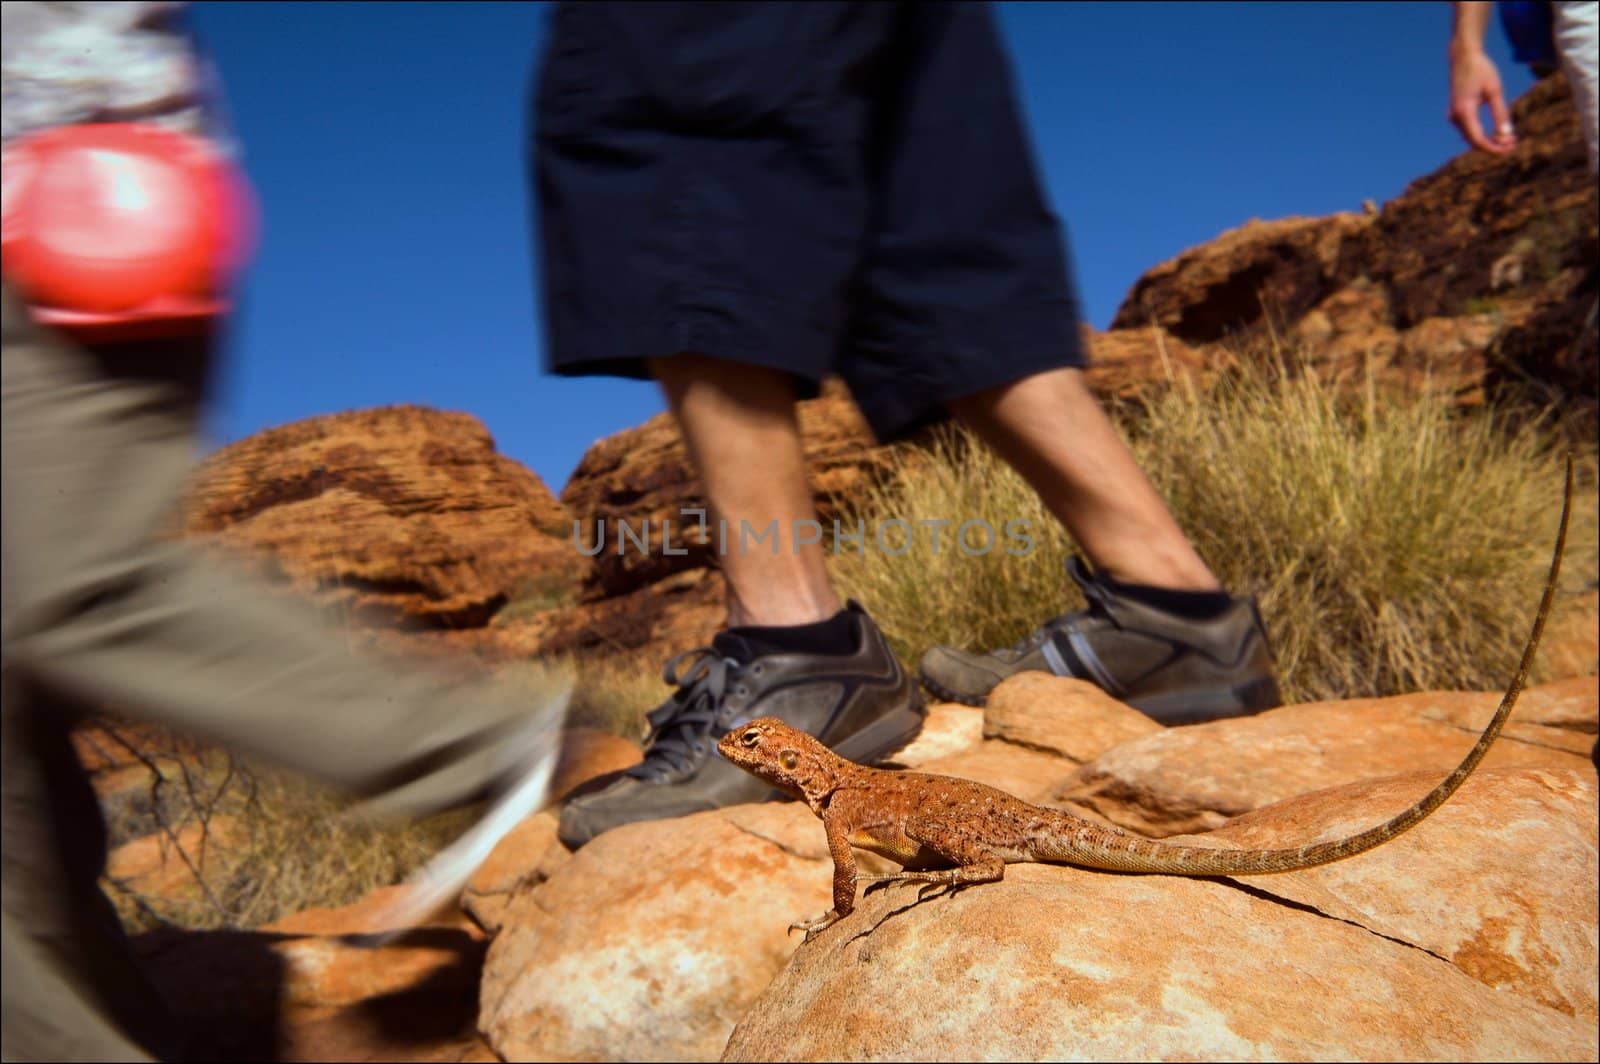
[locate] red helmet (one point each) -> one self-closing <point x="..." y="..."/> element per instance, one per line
<point x="122" y="230"/>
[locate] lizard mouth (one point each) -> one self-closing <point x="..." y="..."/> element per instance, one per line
<point x="730" y="749"/>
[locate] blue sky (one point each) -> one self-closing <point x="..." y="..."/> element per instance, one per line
<point x="387" y="146"/>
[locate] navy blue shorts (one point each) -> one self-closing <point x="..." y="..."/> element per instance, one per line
<point x="822" y="188"/>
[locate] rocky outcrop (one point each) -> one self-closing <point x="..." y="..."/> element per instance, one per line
<point x="1132" y="363"/>
<point x="1283" y="267"/>
<point x="668" y="941"/>
<point x="674" y="613"/>
<point x="650" y="941"/>
<point x="1065" y="964"/>
<point x="1481" y="274"/>
<point x="401" y="513"/>
<point x="1483" y="226"/>
<point x="1177" y="780"/>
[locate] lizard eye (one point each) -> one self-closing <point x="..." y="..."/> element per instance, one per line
<point x="789" y="759"/>
<point x="751" y="737"/>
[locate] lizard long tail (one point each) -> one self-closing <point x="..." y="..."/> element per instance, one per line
<point x="1094" y="847"/>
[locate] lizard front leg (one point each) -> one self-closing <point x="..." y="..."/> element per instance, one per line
<point x="844" y="879"/>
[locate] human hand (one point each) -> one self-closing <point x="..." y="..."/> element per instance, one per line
<point x="1475" y="82"/>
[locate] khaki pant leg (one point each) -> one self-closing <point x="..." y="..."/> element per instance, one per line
<point x="94" y="611"/>
<point x="95" y="608"/>
<point x="71" y="988"/>
<point x="46" y="1017"/>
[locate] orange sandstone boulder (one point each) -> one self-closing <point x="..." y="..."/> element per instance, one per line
<point x="400" y="513"/>
<point x="1194" y="778"/>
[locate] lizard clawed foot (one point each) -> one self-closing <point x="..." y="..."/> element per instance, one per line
<point x="816" y="925"/>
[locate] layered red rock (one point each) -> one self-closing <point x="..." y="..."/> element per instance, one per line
<point x="1282" y="267"/>
<point x="679" y="611"/>
<point x="1480" y="276"/>
<point x="1490" y="226"/>
<point x="401" y="513"/>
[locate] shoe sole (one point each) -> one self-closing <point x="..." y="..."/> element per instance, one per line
<point x="1185" y="707"/>
<point x="1211" y="703"/>
<point x="944" y="694"/>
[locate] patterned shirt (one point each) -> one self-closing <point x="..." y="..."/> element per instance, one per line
<point x="65" y="63"/>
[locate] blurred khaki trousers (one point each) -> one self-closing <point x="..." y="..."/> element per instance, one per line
<point x="96" y="612"/>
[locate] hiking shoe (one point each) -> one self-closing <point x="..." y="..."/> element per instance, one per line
<point x="1176" y="669"/>
<point x="863" y="705"/>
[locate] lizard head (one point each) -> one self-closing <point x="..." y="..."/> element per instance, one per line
<point x="785" y="757"/>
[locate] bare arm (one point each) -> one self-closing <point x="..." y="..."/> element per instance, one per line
<point x="1475" y="82"/>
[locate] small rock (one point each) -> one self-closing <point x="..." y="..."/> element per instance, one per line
<point x="949" y="729"/>
<point x="654" y="938"/>
<point x="1058" y="715"/>
<point x="1193" y="778"/>
<point x="529" y="854"/>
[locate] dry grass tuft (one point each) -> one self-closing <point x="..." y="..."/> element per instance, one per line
<point x="258" y="843"/>
<point x="1395" y="545"/>
<point x="268" y="844"/>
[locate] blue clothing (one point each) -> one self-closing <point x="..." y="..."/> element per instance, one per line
<point x="820" y="188"/>
<point x="1530" y="27"/>
<point x="71" y="62"/>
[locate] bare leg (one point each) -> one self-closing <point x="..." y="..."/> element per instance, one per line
<point x="1052" y="430"/>
<point x="738" y="421"/>
<point x="739" y="425"/>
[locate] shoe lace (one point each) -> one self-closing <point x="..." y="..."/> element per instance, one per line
<point x="1027" y="643"/>
<point x="679" y="727"/>
<point x="1095" y="594"/>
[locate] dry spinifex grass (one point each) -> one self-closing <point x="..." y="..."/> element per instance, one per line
<point x="1395" y="543"/>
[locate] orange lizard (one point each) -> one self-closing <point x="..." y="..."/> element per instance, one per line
<point x="917" y="819"/>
